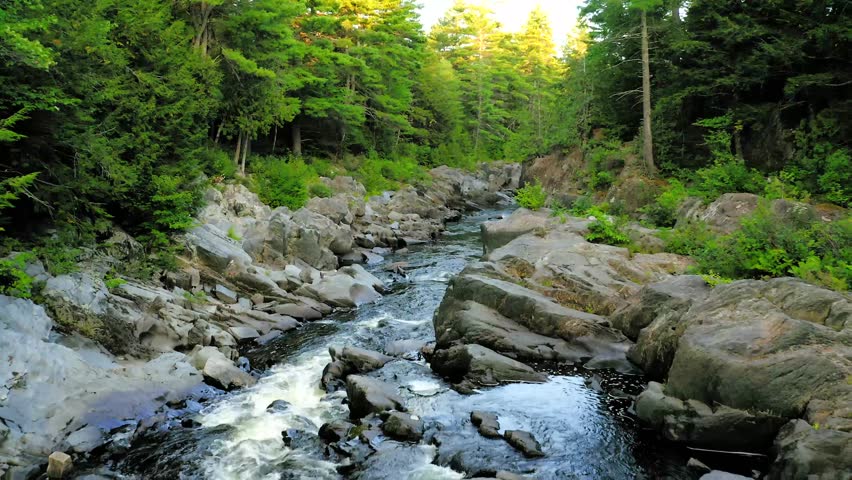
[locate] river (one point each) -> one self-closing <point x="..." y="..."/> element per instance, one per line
<point x="586" y="432"/>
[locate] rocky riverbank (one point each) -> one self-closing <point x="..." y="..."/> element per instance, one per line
<point x="756" y="366"/>
<point x="102" y="356"/>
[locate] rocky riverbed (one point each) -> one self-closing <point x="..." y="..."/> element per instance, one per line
<point x="341" y="341"/>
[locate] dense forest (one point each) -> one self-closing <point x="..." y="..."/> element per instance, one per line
<point x="111" y="110"/>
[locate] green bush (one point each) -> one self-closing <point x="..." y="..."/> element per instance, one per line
<point x="233" y="235"/>
<point x="14" y="281"/>
<point x="282" y="182"/>
<point x="604" y="230"/>
<point x="601" y="180"/>
<point x="581" y="206"/>
<point x="320" y="190"/>
<point x="727" y="173"/>
<point x="663" y="212"/>
<point x="782" y="186"/>
<point x="769" y="245"/>
<point x="219" y="163"/>
<point x="687" y="240"/>
<point x="531" y="195"/>
<point x="114" y="282"/>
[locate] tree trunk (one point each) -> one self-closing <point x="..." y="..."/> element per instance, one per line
<point x="245" y="153"/>
<point x="203" y="34"/>
<point x="296" y="131"/>
<point x="238" y="149"/>
<point x="274" y="139"/>
<point x="648" y="142"/>
<point x="218" y="133"/>
<point x="676" y="10"/>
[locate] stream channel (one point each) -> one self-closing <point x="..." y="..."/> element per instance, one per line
<point x="586" y="432"/>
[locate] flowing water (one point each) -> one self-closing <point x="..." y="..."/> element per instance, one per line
<point x="585" y="432"/>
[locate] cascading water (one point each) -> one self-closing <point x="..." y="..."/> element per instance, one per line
<point x="585" y="432"/>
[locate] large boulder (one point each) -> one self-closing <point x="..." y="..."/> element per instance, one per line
<point x="765" y="345"/>
<point x="804" y="452"/>
<point x="750" y="356"/>
<point x="559" y="262"/>
<point x="52" y="391"/>
<point x="212" y="247"/>
<point x="24" y="316"/>
<point x="700" y="425"/>
<point x="497" y="233"/>
<point x="670" y="297"/>
<point x="477" y="365"/>
<point x="513" y="315"/>
<point x="369" y="395"/>
<point x="349" y="287"/>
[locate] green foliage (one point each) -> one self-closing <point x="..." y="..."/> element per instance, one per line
<point x="233" y="235"/>
<point x="690" y="239"/>
<point x="382" y="174"/>
<point x="821" y="165"/>
<point x="582" y="206"/>
<point x="663" y="211"/>
<point x="728" y="172"/>
<point x="604" y="230"/>
<point x="771" y="245"/>
<point x="217" y="163"/>
<point x="531" y="196"/>
<point x="714" y="279"/>
<point x="320" y="190"/>
<point x="282" y="182"/>
<point x="12" y="188"/>
<point x="196" y="298"/>
<point x="783" y="187"/>
<point x="114" y="282"/>
<point x="14" y="280"/>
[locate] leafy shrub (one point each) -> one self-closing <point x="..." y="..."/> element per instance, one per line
<point x="604" y="230"/>
<point x="687" y="240"/>
<point x="12" y="188"/>
<point x="601" y="180"/>
<point x="714" y="279"/>
<point x="581" y="206"/>
<point x="14" y="281"/>
<point x="727" y="173"/>
<point x="531" y="195"/>
<point x="820" y="165"/>
<point x="173" y="206"/>
<point x="219" y="163"/>
<point x="320" y="190"/>
<point x="782" y="186"/>
<point x="233" y="235"/>
<point x="114" y="282"/>
<point x="663" y="211"/>
<point x="769" y="245"/>
<point x="282" y="182"/>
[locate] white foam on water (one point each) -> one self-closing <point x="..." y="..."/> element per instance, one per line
<point x="255" y="448"/>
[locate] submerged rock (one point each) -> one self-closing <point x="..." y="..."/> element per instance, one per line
<point x="486" y="423"/>
<point x="524" y="442"/>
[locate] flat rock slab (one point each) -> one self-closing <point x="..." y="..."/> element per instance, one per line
<point x="486" y="423"/>
<point x="243" y="334"/>
<point x="301" y="312"/>
<point x="524" y="442"/>
<point x="225" y="294"/>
